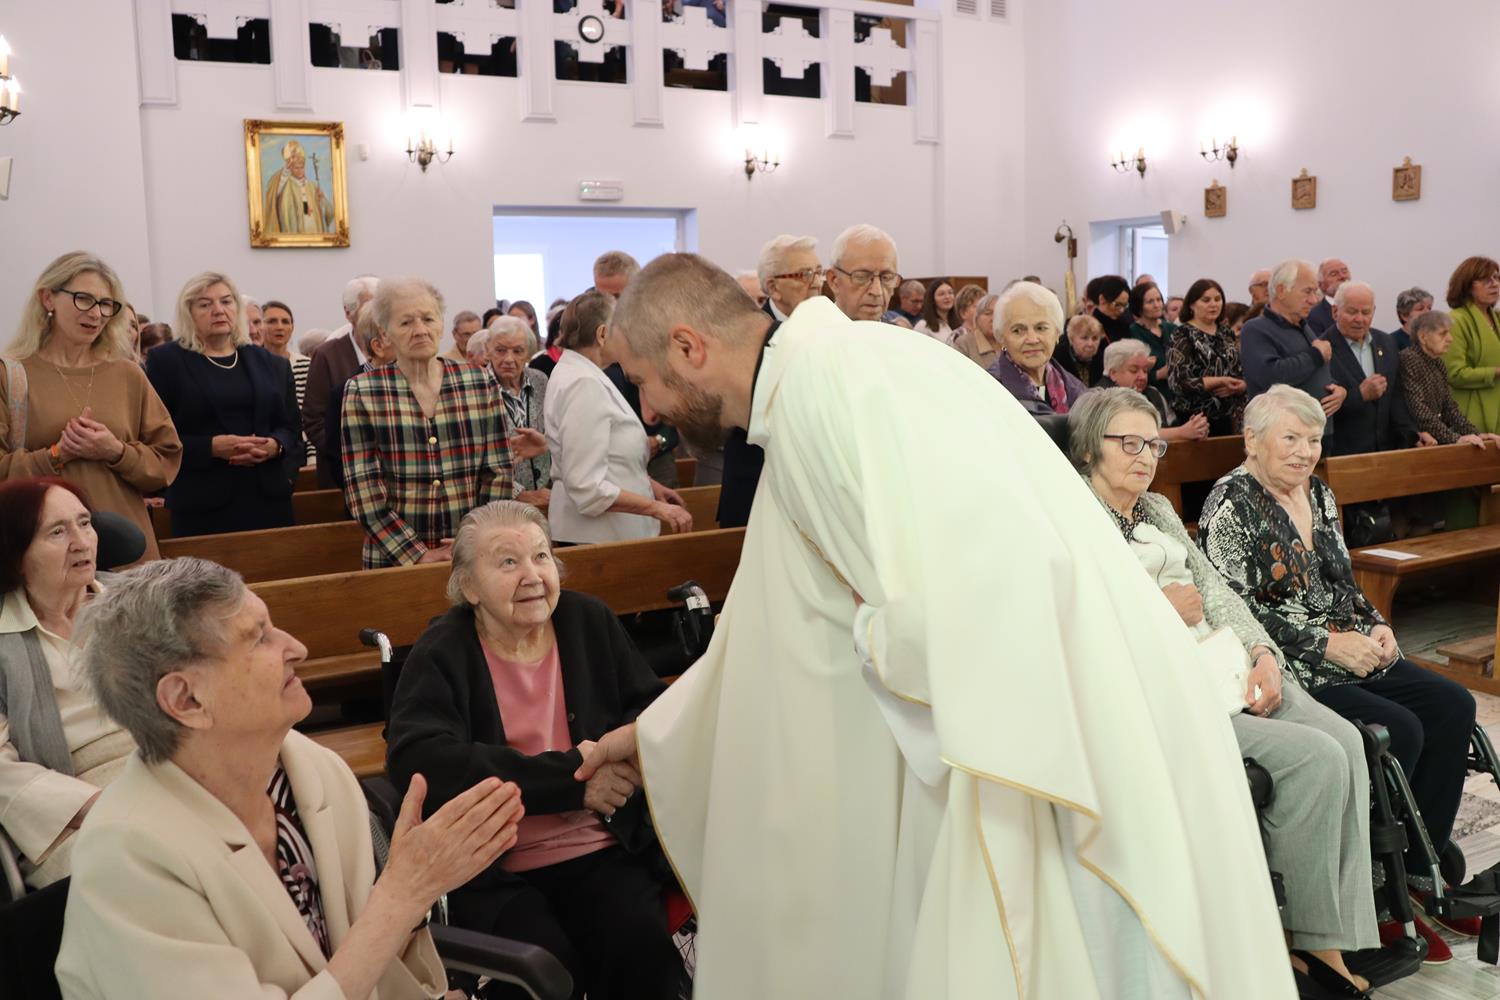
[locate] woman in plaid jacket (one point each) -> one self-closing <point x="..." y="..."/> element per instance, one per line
<point x="423" y="441"/>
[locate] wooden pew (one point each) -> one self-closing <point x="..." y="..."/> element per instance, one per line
<point x="1203" y="461"/>
<point x="277" y="553"/>
<point x="315" y="507"/>
<point x="687" y="472"/>
<point x="1388" y="475"/>
<point x="703" y="503"/>
<point x="307" y="479"/>
<point x="327" y="612"/>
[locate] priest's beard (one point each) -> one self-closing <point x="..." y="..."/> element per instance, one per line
<point x="699" y="415"/>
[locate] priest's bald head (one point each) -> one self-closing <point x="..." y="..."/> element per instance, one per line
<point x="688" y="336"/>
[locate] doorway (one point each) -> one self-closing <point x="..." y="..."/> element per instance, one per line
<point x="1130" y="248"/>
<point x="546" y="254"/>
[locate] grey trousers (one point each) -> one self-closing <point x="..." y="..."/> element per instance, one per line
<point x="1318" y="824"/>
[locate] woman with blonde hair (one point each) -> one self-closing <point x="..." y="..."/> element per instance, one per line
<point x="235" y="405"/>
<point x="76" y="403"/>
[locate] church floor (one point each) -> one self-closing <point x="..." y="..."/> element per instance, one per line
<point x="1421" y="625"/>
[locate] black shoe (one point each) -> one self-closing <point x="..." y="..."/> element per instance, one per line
<point x="1329" y="979"/>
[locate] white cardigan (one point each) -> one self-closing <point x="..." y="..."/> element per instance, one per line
<point x="599" y="449"/>
<point x="171" y="897"/>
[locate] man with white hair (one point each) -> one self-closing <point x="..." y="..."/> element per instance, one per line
<point x="1331" y="274"/>
<point x="910" y="298"/>
<point x="902" y="770"/>
<point x="863" y="274"/>
<point x="1366" y="363"/>
<point x="1276" y="347"/>
<point x="1260" y="287"/>
<point x="613" y="270"/>
<point x="335" y="362"/>
<point x="790" y="273"/>
<point x="750" y="282"/>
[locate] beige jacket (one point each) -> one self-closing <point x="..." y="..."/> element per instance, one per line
<point x="171" y="897"/>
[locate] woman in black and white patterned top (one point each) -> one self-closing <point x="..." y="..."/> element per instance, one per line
<point x="276" y="333"/>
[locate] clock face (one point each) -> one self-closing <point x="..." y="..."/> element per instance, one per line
<point x="591" y="29"/>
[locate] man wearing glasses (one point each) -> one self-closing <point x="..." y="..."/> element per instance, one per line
<point x="863" y="274"/>
<point x="789" y="272"/>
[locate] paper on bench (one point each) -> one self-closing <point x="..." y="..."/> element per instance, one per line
<point x="1389" y="554"/>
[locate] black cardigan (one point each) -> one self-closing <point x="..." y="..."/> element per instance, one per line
<point x="446" y="725"/>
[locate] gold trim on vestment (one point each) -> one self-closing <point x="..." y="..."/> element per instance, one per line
<point x="989" y="867"/>
<point x="879" y="676"/>
<point x="1146" y="925"/>
<point x="651" y="812"/>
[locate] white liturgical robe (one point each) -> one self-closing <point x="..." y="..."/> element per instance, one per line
<point x="998" y="777"/>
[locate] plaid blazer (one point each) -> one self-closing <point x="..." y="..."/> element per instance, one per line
<point x="411" y="480"/>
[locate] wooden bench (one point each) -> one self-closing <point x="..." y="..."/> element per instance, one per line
<point x="1203" y="461"/>
<point x="315" y="507"/>
<point x="687" y="472"/>
<point x="307" y="479"/>
<point x="1388" y="475"/>
<point x="703" y="503"/>
<point x="277" y="553"/>
<point x="327" y="612"/>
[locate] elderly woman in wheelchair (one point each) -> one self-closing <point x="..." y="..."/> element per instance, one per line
<point x="1317" y="823"/>
<point x="233" y="856"/>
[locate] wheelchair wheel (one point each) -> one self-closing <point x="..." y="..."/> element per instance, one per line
<point x="1452" y="864"/>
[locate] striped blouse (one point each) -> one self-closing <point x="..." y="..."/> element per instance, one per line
<point x="295" y="863"/>
<point x="300" y="364"/>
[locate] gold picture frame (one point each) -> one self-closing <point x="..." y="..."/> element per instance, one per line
<point x="1215" y="201"/>
<point x="1406" y="182"/>
<point x="295" y="183"/>
<point x="1304" y="191"/>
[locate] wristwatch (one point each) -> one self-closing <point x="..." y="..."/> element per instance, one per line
<point x="661" y="443"/>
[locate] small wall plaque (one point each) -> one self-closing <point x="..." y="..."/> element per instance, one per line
<point x="1304" y="191"/>
<point x="1406" y="182"/>
<point x="1216" y="201"/>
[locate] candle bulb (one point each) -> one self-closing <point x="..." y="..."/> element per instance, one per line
<point x="4" y="57"/>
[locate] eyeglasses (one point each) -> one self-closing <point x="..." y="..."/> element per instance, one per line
<point x="1134" y="444"/>
<point x="83" y="302"/>
<point x="861" y="279"/>
<point x="807" y="275"/>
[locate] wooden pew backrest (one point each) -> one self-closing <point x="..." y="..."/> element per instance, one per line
<point x="315" y="507"/>
<point x="703" y="503"/>
<point x="1202" y="461"/>
<point x="1384" y="475"/>
<point x="277" y="553"/>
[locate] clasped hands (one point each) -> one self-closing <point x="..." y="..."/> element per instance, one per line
<point x="85" y="437"/>
<point x="243" y="449"/>
<point x="1361" y="654"/>
<point x="611" y="772"/>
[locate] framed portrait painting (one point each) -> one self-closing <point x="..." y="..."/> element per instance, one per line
<point x="294" y="173"/>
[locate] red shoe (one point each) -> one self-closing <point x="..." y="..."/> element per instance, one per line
<point x="1462" y="926"/>
<point x="1438" y="952"/>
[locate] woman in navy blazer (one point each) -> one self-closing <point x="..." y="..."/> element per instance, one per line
<point x="235" y="408"/>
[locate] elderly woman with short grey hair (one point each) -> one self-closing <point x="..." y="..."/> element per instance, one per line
<point x="517" y="681"/>
<point x="1271" y="527"/>
<point x="1127" y="363"/>
<point x="1028" y="321"/>
<point x="1424" y="385"/>
<point x="423" y="439"/>
<point x="977" y="340"/>
<point x="523" y="390"/>
<point x="1410" y="305"/>
<point x="233" y="858"/>
<point x="1318" y="823"/>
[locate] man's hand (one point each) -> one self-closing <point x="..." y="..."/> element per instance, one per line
<point x="1266" y="675"/>
<point x="1186" y="600"/>
<point x="1356" y="653"/>
<point x="1386" y="640"/>
<point x="1324" y="348"/>
<point x="1334" y="399"/>
<point x="615" y="745"/>
<point x="1372" y="388"/>
<point x="256" y="451"/>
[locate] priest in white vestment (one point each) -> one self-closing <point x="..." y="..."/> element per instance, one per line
<point x="947" y="742"/>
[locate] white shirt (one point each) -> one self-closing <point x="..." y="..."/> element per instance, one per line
<point x="598" y="450"/>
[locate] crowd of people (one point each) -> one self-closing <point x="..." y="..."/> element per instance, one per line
<point x="169" y="684"/>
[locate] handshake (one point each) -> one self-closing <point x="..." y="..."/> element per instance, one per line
<point x="611" y="772"/>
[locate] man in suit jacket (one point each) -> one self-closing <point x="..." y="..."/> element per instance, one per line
<point x="1366" y="363"/>
<point x="1331" y="274"/>
<point x="335" y="362"/>
<point x="1276" y="346"/>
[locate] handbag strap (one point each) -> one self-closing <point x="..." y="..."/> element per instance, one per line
<point x="15" y="400"/>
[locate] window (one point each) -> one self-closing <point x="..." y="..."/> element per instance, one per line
<point x="251" y="44"/>
<point x="547" y="254"/>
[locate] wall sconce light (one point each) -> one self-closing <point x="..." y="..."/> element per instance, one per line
<point x="10" y="87"/>
<point x="1124" y="166"/>
<point x="423" y="151"/>
<point x="1213" y="152"/>
<point x="766" y="162"/>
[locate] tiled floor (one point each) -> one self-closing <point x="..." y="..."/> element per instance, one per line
<point x="1421" y="627"/>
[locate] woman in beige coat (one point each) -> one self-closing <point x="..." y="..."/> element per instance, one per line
<point x="233" y="856"/>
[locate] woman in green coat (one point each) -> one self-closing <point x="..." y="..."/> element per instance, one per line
<point x="1473" y="360"/>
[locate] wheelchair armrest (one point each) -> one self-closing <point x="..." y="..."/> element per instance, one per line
<point x="1261" y="785"/>
<point x="526" y="965"/>
<point x="1377" y="738"/>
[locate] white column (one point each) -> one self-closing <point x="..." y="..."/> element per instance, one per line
<point x="419" y="69"/>
<point x="291" y="63"/>
<point x="746" y="78"/>
<point x="643" y="61"/>
<point x="837" y="29"/>
<point x="534" y="60"/>
<point x="925" y="82"/>
<point x="153" y="45"/>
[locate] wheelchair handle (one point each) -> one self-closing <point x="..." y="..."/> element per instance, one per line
<point x="377" y="639"/>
